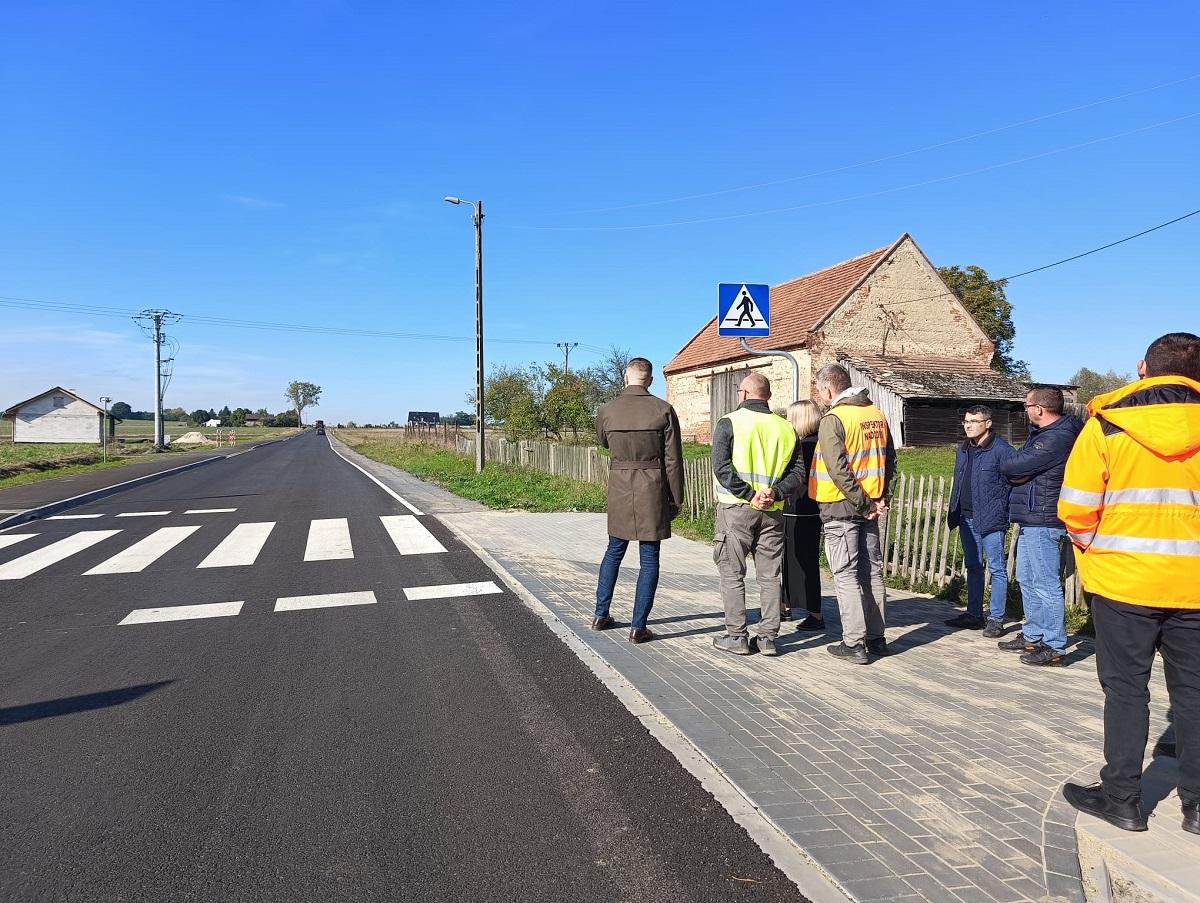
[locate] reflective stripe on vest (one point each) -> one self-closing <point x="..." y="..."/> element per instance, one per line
<point x="866" y="450"/>
<point x="762" y="449"/>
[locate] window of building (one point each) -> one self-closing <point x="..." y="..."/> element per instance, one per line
<point x="60" y="401"/>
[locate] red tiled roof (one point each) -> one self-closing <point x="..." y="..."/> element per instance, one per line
<point x="796" y="306"/>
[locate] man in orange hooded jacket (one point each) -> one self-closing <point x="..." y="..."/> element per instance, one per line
<point x="1131" y="505"/>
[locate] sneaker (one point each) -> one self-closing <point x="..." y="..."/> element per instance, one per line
<point x="738" y="645"/>
<point x="856" y="654"/>
<point x="1044" y="656"/>
<point x="877" y="646"/>
<point x="1018" y="644"/>
<point x="1191" y="817"/>
<point x="993" y="629"/>
<point x="811" y="623"/>
<point x="1093" y="800"/>
<point x="965" y="621"/>
<point x="766" y="645"/>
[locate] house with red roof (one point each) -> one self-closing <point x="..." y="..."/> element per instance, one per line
<point x="890" y="319"/>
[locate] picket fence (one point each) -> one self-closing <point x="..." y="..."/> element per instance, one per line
<point x="920" y="549"/>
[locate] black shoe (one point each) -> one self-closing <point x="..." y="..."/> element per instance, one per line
<point x="1166" y="748"/>
<point x="1094" y="801"/>
<point x="785" y="614"/>
<point x="602" y="623"/>
<point x="993" y="629"/>
<point x="855" y="654"/>
<point x="1043" y="656"/>
<point x="1191" y="817"/>
<point x="641" y="635"/>
<point x="811" y="623"/>
<point x="1018" y="644"/>
<point x="877" y="647"/>
<point x="965" y="621"/>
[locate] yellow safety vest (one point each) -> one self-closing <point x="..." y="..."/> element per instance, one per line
<point x="866" y="449"/>
<point x="762" y="449"/>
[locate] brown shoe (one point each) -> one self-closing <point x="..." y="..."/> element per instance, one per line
<point x="602" y="623"/>
<point x="641" y="635"/>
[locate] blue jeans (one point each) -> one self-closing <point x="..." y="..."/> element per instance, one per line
<point x="647" y="581"/>
<point x="1039" y="571"/>
<point x="976" y="550"/>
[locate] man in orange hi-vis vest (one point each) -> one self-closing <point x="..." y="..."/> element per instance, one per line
<point x="1131" y="504"/>
<point x="851" y="472"/>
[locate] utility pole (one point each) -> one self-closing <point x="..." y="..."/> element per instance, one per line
<point x="566" y="350"/>
<point x="153" y="320"/>
<point x="477" y="218"/>
<point x="104" y="400"/>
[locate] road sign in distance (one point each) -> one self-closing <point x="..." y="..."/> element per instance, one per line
<point x="743" y="309"/>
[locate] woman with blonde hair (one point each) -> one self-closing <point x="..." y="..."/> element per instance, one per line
<point x="802" y="528"/>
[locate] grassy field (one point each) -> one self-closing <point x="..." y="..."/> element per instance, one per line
<point x="937" y="461"/>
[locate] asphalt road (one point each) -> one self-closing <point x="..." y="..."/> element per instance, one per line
<point x="400" y="748"/>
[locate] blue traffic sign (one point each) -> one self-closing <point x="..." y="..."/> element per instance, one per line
<point x="743" y="309"/>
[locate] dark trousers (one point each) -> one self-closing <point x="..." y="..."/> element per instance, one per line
<point x="802" y="563"/>
<point x="1127" y="637"/>
<point x="647" y="582"/>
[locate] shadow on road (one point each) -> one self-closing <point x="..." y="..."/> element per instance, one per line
<point x="52" y="708"/>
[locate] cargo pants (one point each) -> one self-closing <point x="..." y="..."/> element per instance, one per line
<point x="741" y="531"/>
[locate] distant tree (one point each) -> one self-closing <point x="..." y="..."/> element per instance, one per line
<point x="565" y="407"/>
<point x="985" y="300"/>
<point x="175" y="414"/>
<point x="225" y="416"/>
<point x="198" y="417"/>
<point x="262" y="413"/>
<point x="302" y="395"/>
<point x="1091" y="383"/>
<point x="459" y="418"/>
<point x="238" y="418"/>
<point x="351" y="425"/>
<point x="121" y="410"/>
<point x="285" y="418"/>
<point x="607" y="378"/>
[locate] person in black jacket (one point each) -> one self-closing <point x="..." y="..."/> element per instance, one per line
<point x="1036" y="472"/>
<point x="802" y="526"/>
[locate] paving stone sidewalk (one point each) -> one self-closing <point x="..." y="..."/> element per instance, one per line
<point x="933" y="774"/>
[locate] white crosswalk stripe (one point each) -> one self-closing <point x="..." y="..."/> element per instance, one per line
<point x="328" y="539"/>
<point x="144" y="514"/>
<point x="451" y="590"/>
<point x="11" y="539"/>
<point x="144" y="552"/>
<point x="182" y="613"/>
<point x="74" y="516"/>
<point x="55" y="552"/>
<point x="240" y="547"/>
<point x="210" y="510"/>
<point x="410" y="535"/>
<point x="324" y="600"/>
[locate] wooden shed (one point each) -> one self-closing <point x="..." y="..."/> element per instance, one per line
<point x="58" y="415"/>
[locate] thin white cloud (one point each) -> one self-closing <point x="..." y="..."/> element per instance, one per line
<point x="253" y="203"/>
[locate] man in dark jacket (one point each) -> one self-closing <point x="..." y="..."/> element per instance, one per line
<point x="645" y="489"/>
<point x="979" y="505"/>
<point x="1037" y="474"/>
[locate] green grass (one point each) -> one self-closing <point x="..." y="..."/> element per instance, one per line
<point x="36" y="476"/>
<point x="25" y="454"/>
<point x="937" y="461"/>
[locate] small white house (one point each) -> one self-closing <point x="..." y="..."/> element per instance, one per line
<point x="58" y="415"/>
<point x="212" y="423"/>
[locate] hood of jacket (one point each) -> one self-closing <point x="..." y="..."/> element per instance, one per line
<point x="1161" y="413"/>
<point x="853" y="396"/>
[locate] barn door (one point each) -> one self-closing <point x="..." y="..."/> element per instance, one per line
<point x="723" y="398"/>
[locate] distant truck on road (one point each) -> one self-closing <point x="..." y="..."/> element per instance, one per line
<point x="320" y="427"/>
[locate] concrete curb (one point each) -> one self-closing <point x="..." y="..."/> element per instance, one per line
<point x="82" y="499"/>
<point x="789" y="857"/>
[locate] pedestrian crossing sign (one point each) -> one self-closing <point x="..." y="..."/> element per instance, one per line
<point x="743" y="309"/>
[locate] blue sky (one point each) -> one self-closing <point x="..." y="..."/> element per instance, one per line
<point x="285" y="162"/>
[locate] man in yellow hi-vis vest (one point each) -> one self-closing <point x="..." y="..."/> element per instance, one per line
<point x="756" y="462"/>
<point x="851" y="473"/>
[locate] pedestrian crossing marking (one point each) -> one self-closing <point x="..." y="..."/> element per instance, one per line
<point x="410" y="535"/>
<point x="328" y="539"/>
<point x="182" y="613"/>
<point x="74" y="516"/>
<point x="325" y="600"/>
<point x="144" y="552"/>
<point x="452" y="590"/>
<point x="56" y="551"/>
<point x="240" y="547"/>
<point x="144" y="514"/>
<point x="210" y="510"/>
<point x="9" y="539"/>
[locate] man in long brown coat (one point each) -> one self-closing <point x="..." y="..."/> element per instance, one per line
<point x="645" y="489"/>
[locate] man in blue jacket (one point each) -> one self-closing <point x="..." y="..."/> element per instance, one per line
<point x="979" y="507"/>
<point x="1037" y="474"/>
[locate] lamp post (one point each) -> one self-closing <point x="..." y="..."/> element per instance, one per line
<point x="104" y="400"/>
<point x="477" y="217"/>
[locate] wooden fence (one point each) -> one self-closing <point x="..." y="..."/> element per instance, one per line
<point x="920" y="549"/>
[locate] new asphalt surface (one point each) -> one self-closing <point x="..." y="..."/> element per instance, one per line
<point x="400" y="749"/>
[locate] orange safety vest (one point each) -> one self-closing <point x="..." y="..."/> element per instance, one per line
<point x="866" y="450"/>
<point x="1130" y="498"/>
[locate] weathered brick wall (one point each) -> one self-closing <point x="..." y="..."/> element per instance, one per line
<point x="689" y="391"/>
<point x="895" y="313"/>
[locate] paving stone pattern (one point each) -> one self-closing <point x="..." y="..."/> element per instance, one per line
<point x="931" y="774"/>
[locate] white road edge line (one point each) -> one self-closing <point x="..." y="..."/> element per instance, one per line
<point x="182" y="613"/>
<point x="392" y="492"/>
<point x="210" y="510"/>
<point x="143" y="514"/>
<point x="792" y="860"/>
<point x="326" y="600"/>
<point x="74" y="516"/>
<point x="451" y="590"/>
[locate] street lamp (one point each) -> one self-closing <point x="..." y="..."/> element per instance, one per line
<point x="477" y="216"/>
<point x="104" y="400"/>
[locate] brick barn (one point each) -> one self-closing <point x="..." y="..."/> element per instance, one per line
<point x="890" y="318"/>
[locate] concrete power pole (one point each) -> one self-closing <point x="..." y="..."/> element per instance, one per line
<point x="566" y="350"/>
<point x="153" y="320"/>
